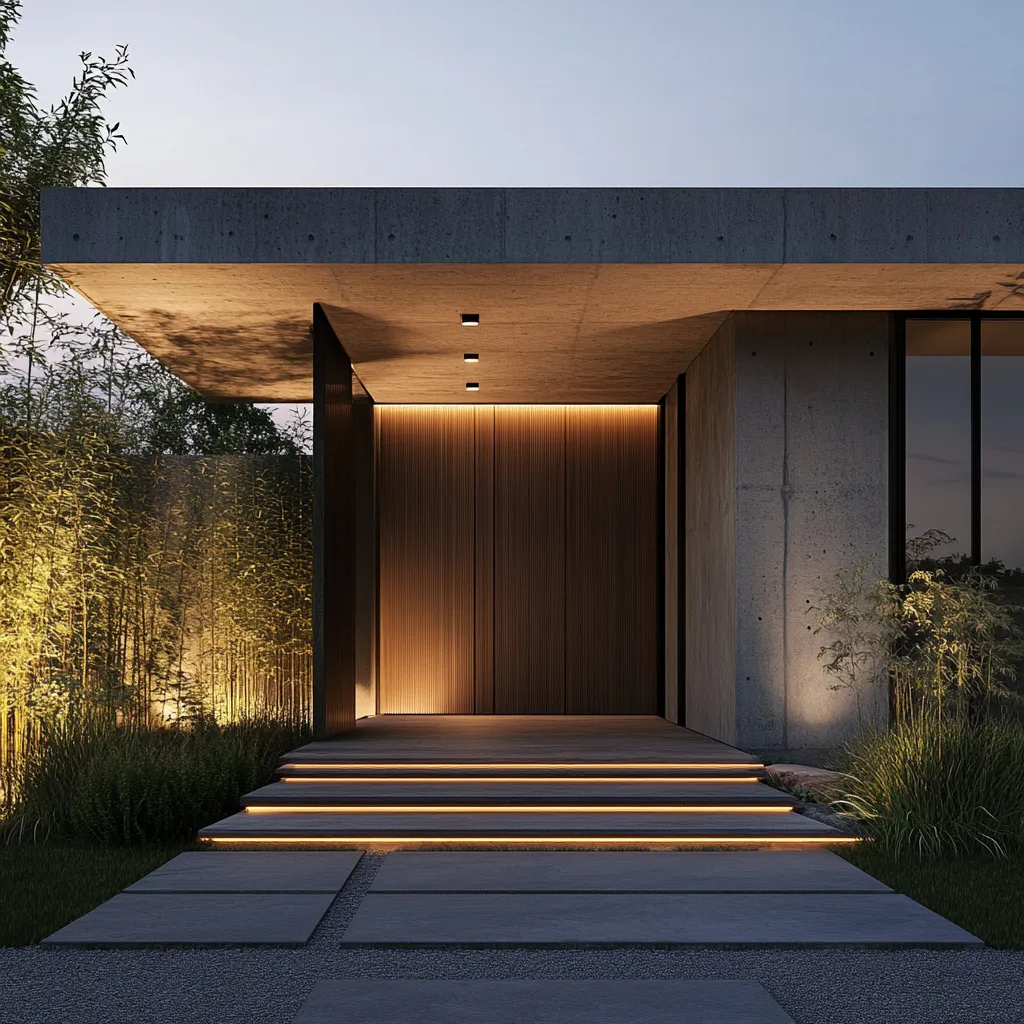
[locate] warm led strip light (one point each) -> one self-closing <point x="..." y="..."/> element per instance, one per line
<point x="519" y="841"/>
<point x="525" y="779"/>
<point x="559" y="765"/>
<point x="526" y="809"/>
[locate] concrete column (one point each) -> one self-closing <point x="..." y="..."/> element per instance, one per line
<point x="811" y="497"/>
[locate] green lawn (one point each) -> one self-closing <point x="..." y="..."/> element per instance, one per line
<point x="981" y="894"/>
<point x="43" y="886"/>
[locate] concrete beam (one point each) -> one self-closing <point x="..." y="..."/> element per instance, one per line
<point x="533" y="225"/>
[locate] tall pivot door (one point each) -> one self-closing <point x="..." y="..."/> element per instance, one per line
<point x="518" y="559"/>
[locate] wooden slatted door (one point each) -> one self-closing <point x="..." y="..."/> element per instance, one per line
<point x="518" y="559"/>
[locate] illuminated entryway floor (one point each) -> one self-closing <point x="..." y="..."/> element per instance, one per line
<point x="546" y="781"/>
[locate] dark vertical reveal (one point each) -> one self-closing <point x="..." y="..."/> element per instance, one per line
<point x="484" y="569"/>
<point x="611" y="596"/>
<point x="976" y="439"/>
<point x="897" y="448"/>
<point x="334" y="626"/>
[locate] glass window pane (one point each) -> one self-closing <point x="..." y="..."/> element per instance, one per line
<point x="938" y="408"/>
<point x="1002" y="442"/>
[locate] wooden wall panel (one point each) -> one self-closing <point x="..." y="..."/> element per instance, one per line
<point x="612" y="574"/>
<point x="529" y="560"/>
<point x="364" y="501"/>
<point x="426" y="511"/>
<point x="484" y="641"/>
<point x="518" y="559"/>
<point x="710" y="553"/>
<point x="673" y="591"/>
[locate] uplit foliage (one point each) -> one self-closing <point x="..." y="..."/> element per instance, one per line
<point x="946" y="642"/>
<point x="62" y="146"/>
<point x="152" y="568"/>
<point x="946" y="777"/>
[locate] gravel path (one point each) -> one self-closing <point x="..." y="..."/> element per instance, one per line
<point x="267" y="986"/>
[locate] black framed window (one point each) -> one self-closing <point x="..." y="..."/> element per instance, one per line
<point x="957" y="442"/>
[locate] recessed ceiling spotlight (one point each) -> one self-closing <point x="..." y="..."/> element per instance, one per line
<point x="471" y="357"/>
<point x="470" y="319"/>
<point x="472" y="386"/>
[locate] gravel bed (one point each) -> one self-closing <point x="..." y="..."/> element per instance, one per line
<point x="267" y="986"/>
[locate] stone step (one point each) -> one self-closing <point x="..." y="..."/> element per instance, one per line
<point x="490" y="1001"/>
<point x="516" y="826"/>
<point x="293" y="769"/>
<point x="343" y="793"/>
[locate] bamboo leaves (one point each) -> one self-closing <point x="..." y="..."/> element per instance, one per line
<point x="143" y="586"/>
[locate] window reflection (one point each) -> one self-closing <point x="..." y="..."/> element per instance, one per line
<point x="938" y="438"/>
<point x="1002" y="442"/>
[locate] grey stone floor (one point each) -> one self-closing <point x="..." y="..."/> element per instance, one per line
<point x="267" y="986"/>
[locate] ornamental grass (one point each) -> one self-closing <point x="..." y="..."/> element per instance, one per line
<point x="939" y="787"/>
<point x="91" y="780"/>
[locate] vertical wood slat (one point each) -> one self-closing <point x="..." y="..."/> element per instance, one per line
<point x="427" y="548"/>
<point x="612" y="546"/>
<point x="365" y="563"/>
<point x="529" y="563"/>
<point x="672" y="553"/>
<point x="334" y="626"/>
<point x="484" y="585"/>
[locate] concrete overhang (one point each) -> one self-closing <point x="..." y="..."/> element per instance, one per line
<point x="585" y="295"/>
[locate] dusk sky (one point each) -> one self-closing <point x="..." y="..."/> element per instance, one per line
<point x="560" y="92"/>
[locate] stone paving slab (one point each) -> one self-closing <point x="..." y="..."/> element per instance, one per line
<point x="577" y="919"/>
<point x="252" y="871"/>
<point x="198" y="919"/>
<point x="639" y="871"/>
<point x="392" y="1001"/>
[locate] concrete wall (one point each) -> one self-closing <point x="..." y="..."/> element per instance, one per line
<point x="811" y="497"/>
<point x="710" y="600"/>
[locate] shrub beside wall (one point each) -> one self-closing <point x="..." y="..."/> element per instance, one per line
<point x="945" y="777"/>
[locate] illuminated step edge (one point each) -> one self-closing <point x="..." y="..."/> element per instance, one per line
<point x="724" y="839"/>
<point x="524" y="779"/>
<point x="351" y="794"/>
<point x="629" y="766"/>
<point x="516" y="809"/>
<point x="448" y="824"/>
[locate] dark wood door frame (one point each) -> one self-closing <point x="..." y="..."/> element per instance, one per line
<point x="334" y="598"/>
